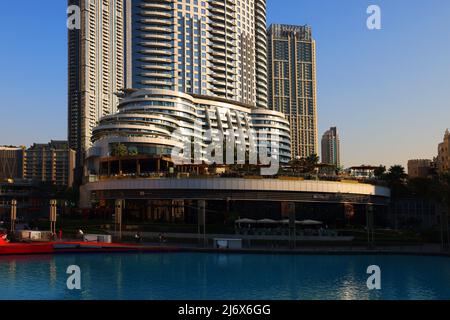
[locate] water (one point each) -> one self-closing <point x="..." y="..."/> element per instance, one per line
<point x="170" y="276"/>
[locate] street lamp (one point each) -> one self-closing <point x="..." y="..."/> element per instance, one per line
<point x="13" y="215"/>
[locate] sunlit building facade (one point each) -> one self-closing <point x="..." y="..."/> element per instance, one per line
<point x="201" y="47"/>
<point x="293" y="84"/>
<point x="331" y="147"/>
<point x="96" y="69"/>
<point x="443" y="158"/>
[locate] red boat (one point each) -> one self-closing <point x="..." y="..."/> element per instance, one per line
<point x="7" y="248"/>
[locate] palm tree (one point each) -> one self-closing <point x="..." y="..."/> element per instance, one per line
<point x="311" y="162"/>
<point x="380" y="172"/>
<point x="396" y="179"/>
<point x="296" y="165"/>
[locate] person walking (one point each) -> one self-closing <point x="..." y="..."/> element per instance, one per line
<point x="137" y="237"/>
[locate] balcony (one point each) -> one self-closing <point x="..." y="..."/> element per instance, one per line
<point x="164" y="44"/>
<point x="157" y="52"/>
<point x="157" y="82"/>
<point x="156" y="6"/>
<point x="155" y="13"/>
<point x="155" y="29"/>
<point x="163" y="22"/>
<point x="155" y="59"/>
<point x="157" y="75"/>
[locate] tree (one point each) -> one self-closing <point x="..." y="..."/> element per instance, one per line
<point x="119" y="150"/>
<point x="305" y="165"/>
<point x="396" y="179"/>
<point x="312" y="159"/>
<point x="397" y="173"/>
<point x="296" y="165"/>
<point x="380" y="172"/>
<point x="133" y="151"/>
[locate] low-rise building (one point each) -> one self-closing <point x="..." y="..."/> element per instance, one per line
<point x="12" y="162"/>
<point x="52" y="163"/>
<point x="362" y="172"/>
<point x="420" y="168"/>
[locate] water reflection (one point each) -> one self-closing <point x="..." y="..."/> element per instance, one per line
<point x="223" y="276"/>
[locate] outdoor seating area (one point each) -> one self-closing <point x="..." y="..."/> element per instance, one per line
<point x="268" y="227"/>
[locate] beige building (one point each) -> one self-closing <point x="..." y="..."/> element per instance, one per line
<point x="12" y="162"/>
<point x="292" y="84"/>
<point x="53" y="163"/>
<point x="96" y="68"/>
<point x="443" y="158"/>
<point x="419" y="168"/>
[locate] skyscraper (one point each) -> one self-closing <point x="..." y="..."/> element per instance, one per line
<point x="199" y="47"/>
<point x="96" y="68"/>
<point x="193" y="68"/>
<point x="292" y="84"/>
<point x="331" y="147"/>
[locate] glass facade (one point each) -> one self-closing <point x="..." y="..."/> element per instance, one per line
<point x="210" y="48"/>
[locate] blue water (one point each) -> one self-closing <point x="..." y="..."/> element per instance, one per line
<point x="169" y="276"/>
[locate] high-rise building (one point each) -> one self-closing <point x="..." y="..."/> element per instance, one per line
<point x="292" y="84"/>
<point x="12" y="162"/>
<point x="443" y="158"/>
<point x="53" y="163"/>
<point x="331" y="147"/>
<point x="193" y="67"/>
<point x="214" y="48"/>
<point x="96" y="68"/>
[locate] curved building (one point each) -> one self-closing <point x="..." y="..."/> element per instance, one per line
<point x="155" y="122"/>
<point x="178" y="200"/>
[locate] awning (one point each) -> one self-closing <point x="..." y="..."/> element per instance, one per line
<point x="245" y="220"/>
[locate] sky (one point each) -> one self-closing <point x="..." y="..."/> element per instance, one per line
<point x="387" y="91"/>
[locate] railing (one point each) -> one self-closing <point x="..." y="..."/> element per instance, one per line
<point x="286" y="176"/>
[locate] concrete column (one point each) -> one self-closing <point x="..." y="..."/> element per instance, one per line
<point x="201" y="218"/>
<point x="369" y="225"/>
<point x="138" y="167"/>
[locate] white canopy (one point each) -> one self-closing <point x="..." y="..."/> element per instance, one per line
<point x="310" y="222"/>
<point x="245" y="220"/>
<point x="266" y="221"/>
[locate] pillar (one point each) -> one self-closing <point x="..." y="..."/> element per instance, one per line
<point x="201" y="220"/>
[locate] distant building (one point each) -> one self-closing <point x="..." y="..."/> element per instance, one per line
<point x="443" y="158"/>
<point x="331" y="147"/>
<point x="12" y="162"/>
<point x="293" y="84"/>
<point x="53" y="163"/>
<point x="419" y="168"/>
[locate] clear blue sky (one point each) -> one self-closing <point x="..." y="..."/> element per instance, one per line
<point x="388" y="91"/>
